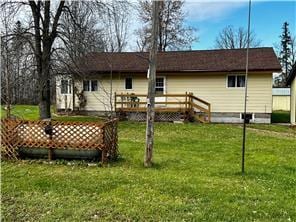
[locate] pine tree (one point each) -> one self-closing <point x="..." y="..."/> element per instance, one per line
<point x="285" y="53"/>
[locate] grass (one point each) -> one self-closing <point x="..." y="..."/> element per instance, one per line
<point x="280" y="117"/>
<point x="273" y="128"/>
<point x="195" y="177"/>
<point x="30" y="112"/>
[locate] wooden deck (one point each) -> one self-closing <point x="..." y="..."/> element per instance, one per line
<point x="187" y="104"/>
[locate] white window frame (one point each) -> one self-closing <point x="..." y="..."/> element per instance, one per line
<point x="69" y="87"/>
<point x="132" y="83"/>
<point x="236" y="75"/>
<point x="89" y="85"/>
<point x="164" y="83"/>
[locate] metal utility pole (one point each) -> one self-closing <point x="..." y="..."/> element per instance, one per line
<point x="246" y="92"/>
<point x="151" y="86"/>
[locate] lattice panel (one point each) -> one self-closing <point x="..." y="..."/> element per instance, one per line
<point x="137" y="116"/>
<point x="8" y="138"/>
<point x="110" y="139"/>
<point x="65" y="135"/>
<point x="159" y="116"/>
<point x="168" y="117"/>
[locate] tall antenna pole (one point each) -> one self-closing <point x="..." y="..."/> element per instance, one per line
<point x="246" y="91"/>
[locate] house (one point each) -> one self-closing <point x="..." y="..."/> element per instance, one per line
<point x="281" y="99"/>
<point x="202" y="82"/>
<point x="292" y="82"/>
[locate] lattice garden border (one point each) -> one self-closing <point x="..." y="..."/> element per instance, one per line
<point x="159" y="116"/>
<point x="17" y="133"/>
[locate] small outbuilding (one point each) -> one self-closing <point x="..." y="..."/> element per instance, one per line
<point x="292" y="83"/>
<point x="281" y="99"/>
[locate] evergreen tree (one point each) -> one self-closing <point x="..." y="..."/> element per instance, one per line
<point x="285" y="53"/>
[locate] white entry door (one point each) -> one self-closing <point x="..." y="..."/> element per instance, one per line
<point x="160" y="90"/>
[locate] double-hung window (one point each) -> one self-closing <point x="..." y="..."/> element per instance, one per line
<point x="90" y="85"/>
<point x="65" y="86"/>
<point x="128" y="83"/>
<point x="159" y="86"/>
<point x="236" y="81"/>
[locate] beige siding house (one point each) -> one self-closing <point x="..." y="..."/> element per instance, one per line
<point x="214" y="76"/>
<point x="292" y="82"/>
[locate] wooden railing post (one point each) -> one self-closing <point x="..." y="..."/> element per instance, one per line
<point x="190" y="103"/>
<point x="103" y="153"/>
<point x="209" y="114"/>
<point x="121" y="100"/>
<point x="186" y="99"/>
<point x="115" y="102"/>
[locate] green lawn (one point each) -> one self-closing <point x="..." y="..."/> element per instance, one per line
<point x="273" y="128"/>
<point x="30" y="112"/>
<point x="196" y="177"/>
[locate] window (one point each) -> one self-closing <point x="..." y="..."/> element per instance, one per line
<point x="128" y="83"/>
<point x="241" y="81"/>
<point x="85" y="85"/>
<point x="94" y="85"/>
<point x="65" y="86"/>
<point x="159" y="86"/>
<point x="231" y="81"/>
<point x="249" y="116"/>
<point x="236" y="81"/>
<point x="90" y="85"/>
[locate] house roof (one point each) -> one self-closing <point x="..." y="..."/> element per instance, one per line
<point x="292" y="75"/>
<point x="222" y="60"/>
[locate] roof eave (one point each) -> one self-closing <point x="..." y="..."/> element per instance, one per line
<point x="292" y="75"/>
<point x="92" y="72"/>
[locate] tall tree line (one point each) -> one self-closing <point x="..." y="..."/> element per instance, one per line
<point x="50" y="41"/>
<point x="18" y="75"/>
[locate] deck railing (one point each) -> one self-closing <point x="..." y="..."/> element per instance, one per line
<point x="184" y="103"/>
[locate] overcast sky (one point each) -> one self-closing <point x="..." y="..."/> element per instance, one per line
<point x="267" y="18"/>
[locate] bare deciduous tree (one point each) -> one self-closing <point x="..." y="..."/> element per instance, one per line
<point x="6" y="51"/>
<point x="45" y="24"/>
<point x="79" y="35"/>
<point x="54" y="38"/>
<point x="173" y="34"/>
<point x="115" y="19"/>
<point x="231" y="38"/>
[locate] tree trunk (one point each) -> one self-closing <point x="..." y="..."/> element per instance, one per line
<point x="8" y="90"/>
<point x="44" y="104"/>
<point x="43" y="45"/>
<point x="151" y="87"/>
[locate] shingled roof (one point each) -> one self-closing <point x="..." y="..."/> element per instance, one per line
<point x="223" y="60"/>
